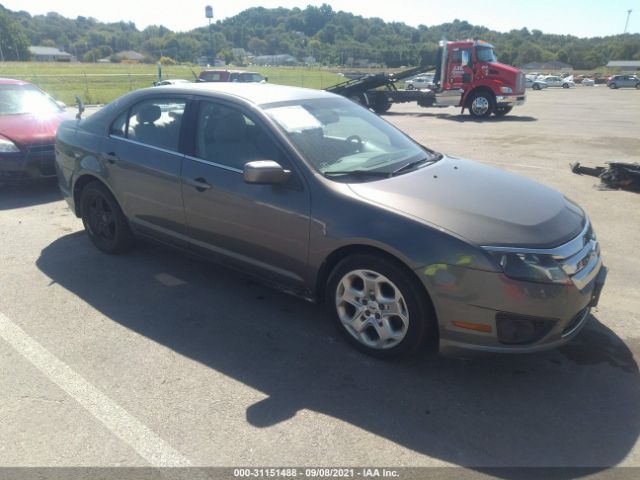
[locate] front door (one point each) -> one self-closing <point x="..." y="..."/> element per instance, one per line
<point x="264" y="228"/>
<point x="460" y="68"/>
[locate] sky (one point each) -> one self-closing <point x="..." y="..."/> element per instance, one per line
<point x="583" y="18"/>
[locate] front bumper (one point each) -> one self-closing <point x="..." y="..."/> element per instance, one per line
<point x="34" y="163"/>
<point x="510" y="100"/>
<point x="476" y="309"/>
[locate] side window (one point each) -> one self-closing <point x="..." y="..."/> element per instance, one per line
<point x="157" y="122"/>
<point x="228" y="137"/>
<point x="119" y="126"/>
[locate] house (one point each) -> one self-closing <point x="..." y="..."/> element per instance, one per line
<point x="49" y="54"/>
<point x="552" y="66"/>
<point x="625" y="65"/>
<point x="130" y="56"/>
<point x="282" y="59"/>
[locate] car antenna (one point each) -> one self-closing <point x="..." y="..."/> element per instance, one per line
<point x="80" y="105"/>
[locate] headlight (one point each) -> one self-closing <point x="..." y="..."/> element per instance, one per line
<point x="531" y="267"/>
<point x="506" y="90"/>
<point x="7" y="146"/>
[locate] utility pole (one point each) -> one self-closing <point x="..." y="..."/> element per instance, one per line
<point x="627" y="22"/>
<point x="208" y="12"/>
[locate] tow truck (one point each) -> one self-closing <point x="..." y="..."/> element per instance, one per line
<point x="468" y="75"/>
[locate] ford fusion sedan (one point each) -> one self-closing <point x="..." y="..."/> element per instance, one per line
<point x="29" y="119"/>
<point x="320" y="197"/>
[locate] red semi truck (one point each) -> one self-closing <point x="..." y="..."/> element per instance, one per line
<point x="468" y="75"/>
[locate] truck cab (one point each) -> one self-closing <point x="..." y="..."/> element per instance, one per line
<point x="489" y="86"/>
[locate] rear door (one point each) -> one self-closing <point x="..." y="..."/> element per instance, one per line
<point x="263" y="228"/>
<point x="144" y="162"/>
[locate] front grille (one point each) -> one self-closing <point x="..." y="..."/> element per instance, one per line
<point x="48" y="149"/>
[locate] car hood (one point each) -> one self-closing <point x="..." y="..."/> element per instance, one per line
<point x="484" y="205"/>
<point x="31" y="129"/>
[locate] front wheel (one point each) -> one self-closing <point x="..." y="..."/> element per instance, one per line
<point x="378" y="307"/>
<point x="103" y="219"/>
<point x="536" y="86"/>
<point x="613" y="86"/>
<point x="638" y="86"/>
<point x="502" y="111"/>
<point x="565" y="85"/>
<point x="481" y="105"/>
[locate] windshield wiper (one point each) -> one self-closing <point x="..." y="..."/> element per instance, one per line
<point x="415" y="163"/>
<point x="358" y="173"/>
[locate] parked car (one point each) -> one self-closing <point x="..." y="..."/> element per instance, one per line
<point x="624" y="81"/>
<point x="555" y="81"/>
<point x="29" y="119"/>
<point x="420" y="82"/>
<point x="231" y="76"/>
<point x="535" y="84"/>
<point x="175" y="81"/>
<point x="322" y="198"/>
<point x="588" y="82"/>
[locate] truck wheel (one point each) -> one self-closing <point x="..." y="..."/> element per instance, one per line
<point x="502" y="111"/>
<point x="382" y="108"/>
<point x="481" y="105"/>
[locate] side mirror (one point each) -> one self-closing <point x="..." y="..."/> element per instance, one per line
<point x="80" y="105"/>
<point x="265" y="172"/>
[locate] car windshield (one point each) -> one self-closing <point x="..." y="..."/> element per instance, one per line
<point x="251" y="77"/>
<point x="21" y="99"/>
<point x="486" y="54"/>
<point x="342" y="140"/>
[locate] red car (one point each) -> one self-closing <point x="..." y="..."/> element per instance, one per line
<point x="29" y="119"/>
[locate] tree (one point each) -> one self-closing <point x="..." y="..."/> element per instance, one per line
<point x="13" y="41"/>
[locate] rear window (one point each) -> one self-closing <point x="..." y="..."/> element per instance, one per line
<point x="211" y="76"/>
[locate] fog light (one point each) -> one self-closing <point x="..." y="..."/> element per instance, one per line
<point x="516" y="329"/>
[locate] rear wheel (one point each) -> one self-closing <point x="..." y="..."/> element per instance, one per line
<point x="536" y="86"/>
<point x="103" y="219"/>
<point x="638" y="86"/>
<point x="378" y="307"/>
<point x="565" y="85"/>
<point x="502" y="111"/>
<point x="613" y="86"/>
<point x="382" y="108"/>
<point x="481" y="104"/>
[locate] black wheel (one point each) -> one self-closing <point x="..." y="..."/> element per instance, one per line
<point x="502" y="111"/>
<point x="382" y="108"/>
<point x="103" y="219"/>
<point x="613" y="86"/>
<point x="638" y="86"/>
<point x="410" y="86"/>
<point x="565" y="85"/>
<point x="536" y="86"/>
<point x="379" y="308"/>
<point x="481" y="104"/>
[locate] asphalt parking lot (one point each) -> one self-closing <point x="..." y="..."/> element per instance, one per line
<point x="154" y="358"/>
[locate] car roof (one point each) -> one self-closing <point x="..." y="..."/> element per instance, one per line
<point x="257" y="93"/>
<point x="12" y="81"/>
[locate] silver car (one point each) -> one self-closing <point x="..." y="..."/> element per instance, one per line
<point x="622" y="81"/>
<point x="320" y="197"/>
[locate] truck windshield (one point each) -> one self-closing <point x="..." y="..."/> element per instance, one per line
<point x="486" y="55"/>
<point x="346" y="142"/>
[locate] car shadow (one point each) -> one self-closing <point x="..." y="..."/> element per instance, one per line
<point x="575" y="406"/>
<point x="464" y="118"/>
<point x="27" y="195"/>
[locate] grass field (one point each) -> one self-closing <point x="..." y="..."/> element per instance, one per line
<point x="101" y="83"/>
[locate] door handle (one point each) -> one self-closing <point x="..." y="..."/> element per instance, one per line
<point x="111" y="157"/>
<point x="199" y="183"/>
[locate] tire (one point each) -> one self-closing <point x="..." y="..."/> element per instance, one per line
<point x="481" y="104"/>
<point x="383" y="108"/>
<point x="398" y="309"/>
<point x="502" y="111"/>
<point x="410" y="86"/>
<point x="103" y="220"/>
<point x="638" y="86"/>
<point x="565" y="85"/>
<point x="536" y="86"/>
<point x="613" y="86"/>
